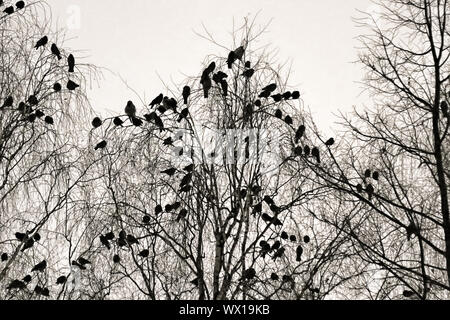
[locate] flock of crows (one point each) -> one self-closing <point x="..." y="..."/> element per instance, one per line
<point x="10" y="9"/>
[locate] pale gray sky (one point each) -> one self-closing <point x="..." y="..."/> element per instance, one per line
<point x="140" y="39"/>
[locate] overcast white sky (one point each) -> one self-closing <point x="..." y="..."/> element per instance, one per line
<point x="140" y="39"/>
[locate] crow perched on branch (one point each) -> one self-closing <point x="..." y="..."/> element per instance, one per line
<point x="56" y="51"/>
<point x="71" y="63"/>
<point x="41" y="42"/>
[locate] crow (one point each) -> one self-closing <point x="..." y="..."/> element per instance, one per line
<point x="182" y="214"/>
<point x="249" y="274"/>
<point x="265" y="94"/>
<point x="118" y="122"/>
<point x="16" y="284"/>
<point x="110" y="236"/>
<point x="359" y="188"/>
<point x="146" y="219"/>
<point x="279" y="114"/>
<point x="28" y="244"/>
<point x="61" y="280"/>
<point x="276" y="246"/>
<point x="57" y="87"/>
<point x="158" y="209"/>
<point x="295" y="95"/>
<point x="83" y="261"/>
<point x="8" y="102"/>
<point x="132" y="240"/>
<point x="20" y="5"/>
<point x="101" y="145"/>
<point x="298" y="151"/>
<point x="41" y="42"/>
<point x="370" y="191"/>
<point x="289" y="120"/>
<point x="248" y="64"/>
<point x="144" y="253"/>
<point x="136" y="122"/>
<point x="271" y="87"/>
<point x="307" y="150"/>
<point x="56" y="51"/>
<point x="72" y="85"/>
<point x="105" y="242"/>
<point x="231" y="59"/>
<point x="71" y="62"/>
<point x="287" y="95"/>
<point x="186" y="94"/>
<point x="157" y="100"/>
<point x="316" y="154"/>
<point x="4" y="257"/>
<point x="306" y="239"/>
<point x="367" y="173"/>
<point x="206" y="83"/>
<point x="299" y="252"/>
<point x="40" y="266"/>
<point x="279" y="254"/>
<point x="444" y="108"/>
<point x="170" y="172"/>
<point x="293" y="238"/>
<point x="32" y="118"/>
<point x="130" y="109"/>
<point x="224" y="85"/>
<point x="97" y="122"/>
<point x="21" y="236"/>
<point x="248" y="73"/>
<point x="27" y="279"/>
<point x="32" y="100"/>
<point x="239" y="52"/>
<point x="9" y="10"/>
<point x="376" y="176"/>
<point x="274" y="277"/>
<point x="189" y="168"/>
<point x="39" y="113"/>
<point x="186" y="179"/>
<point x="277" y="97"/>
<point x="168" y="141"/>
<point x="219" y="76"/>
<point x="330" y="142"/>
<point x="258" y="103"/>
<point x="116" y="258"/>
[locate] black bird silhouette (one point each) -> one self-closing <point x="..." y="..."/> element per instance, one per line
<point x="61" y="280"/>
<point x="136" y="122"/>
<point x="132" y="239"/>
<point x="248" y="73"/>
<point x="211" y="68"/>
<point x="258" y="103"/>
<point x="206" y="83"/>
<point x="157" y="100"/>
<point x="408" y="293"/>
<point x="16" y="284"/>
<point x="110" y="236"/>
<point x="248" y="64"/>
<point x="271" y="87"/>
<point x="83" y="261"/>
<point x="71" y="62"/>
<point x="224" y="85"/>
<point x="170" y="172"/>
<point x="231" y="59"/>
<point x="367" y="173"/>
<point x="41" y="42"/>
<point x="9" y="10"/>
<point x="265" y="248"/>
<point x="186" y="94"/>
<point x="376" y="176"/>
<point x="168" y="141"/>
<point x="144" y="253"/>
<point x="284" y="235"/>
<point x="279" y="114"/>
<point x="159" y="123"/>
<point x="32" y="100"/>
<point x="279" y="254"/>
<point x="57" y="87"/>
<point x="20" y="5"/>
<point x="287" y="95"/>
<point x="306" y="239"/>
<point x="299" y="133"/>
<point x="56" y="51"/>
<point x="40" y="266"/>
<point x="97" y="122"/>
<point x="316" y="154"/>
<point x="249" y="274"/>
<point x="146" y="219"/>
<point x="359" y="188"/>
<point x="295" y="95"/>
<point x="158" y="209"/>
<point x="410" y="230"/>
<point x="276" y="245"/>
<point x="257" y="208"/>
<point x="4" y="257"/>
<point x="45" y="292"/>
<point x="32" y="117"/>
<point x="370" y="191"/>
<point x="219" y="76"/>
<point x="8" y="102"/>
<point x="186" y="188"/>
<point x="75" y="263"/>
<point x="293" y="238"/>
<point x="274" y="277"/>
<point x="289" y="120"/>
<point x="72" y="85"/>
<point x="28" y="244"/>
<point x="176" y="205"/>
<point x="38" y="290"/>
<point x="194" y="282"/>
<point x="130" y="109"/>
<point x="307" y="150"/>
<point x="118" y="122"/>
<point x="265" y="94"/>
<point x="268" y="200"/>
<point x="444" y="108"/>
<point x="186" y="180"/>
<point x="266" y="218"/>
<point x="277" y="97"/>
<point x="330" y="142"/>
<point x="105" y="242"/>
<point x="299" y="253"/>
<point x="21" y="236"/>
<point x="101" y="145"/>
<point x="189" y="168"/>
<point x="239" y="52"/>
<point x="182" y="214"/>
<point x="27" y="279"/>
<point x="116" y="258"/>
<point x="39" y="114"/>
